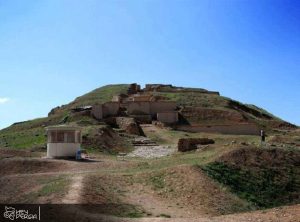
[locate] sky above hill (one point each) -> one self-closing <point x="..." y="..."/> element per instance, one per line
<point x="52" y="51"/>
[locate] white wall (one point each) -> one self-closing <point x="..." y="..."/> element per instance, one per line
<point x="62" y="149"/>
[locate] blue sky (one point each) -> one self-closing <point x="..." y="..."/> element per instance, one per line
<point x="52" y="51"/>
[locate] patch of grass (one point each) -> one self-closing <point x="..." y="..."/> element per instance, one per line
<point x="100" y="95"/>
<point x="53" y="185"/>
<point x="264" y="187"/>
<point x="165" y="215"/>
<point x="24" y="139"/>
<point x="134" y="214"/>
<point x="58" y="185"/>
<point x="158" y="181"/>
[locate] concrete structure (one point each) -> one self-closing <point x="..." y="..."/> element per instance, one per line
<point x="63" y="141"/>
<point x="168" y="117"/>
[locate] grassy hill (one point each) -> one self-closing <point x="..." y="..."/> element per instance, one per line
<point x="31" y="134"/>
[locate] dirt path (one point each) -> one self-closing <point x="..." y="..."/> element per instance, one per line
<point x="281" y="214"/>
<point x="73" y="195"/>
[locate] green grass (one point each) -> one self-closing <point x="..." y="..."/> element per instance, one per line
<point x="58" y="185"/>
<point x="100" y="95"/>
<point x="188" y="158"/>
<point x="262" y="186"/>
<point x="30" y="134"/>
<point x="50" y="185"/>
<point x="165" y="215"/>
<point x="196" y="99"/>
<point x="24" y="139"/>
<point x="133" y="214"/>
<point x="157" y="182"/>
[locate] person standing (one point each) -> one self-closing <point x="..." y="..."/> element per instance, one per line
<point x="262" y="137"/>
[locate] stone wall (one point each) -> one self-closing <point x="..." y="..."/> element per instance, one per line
<point x="134" y="108"/>
<point x="133" y="88"/>
<point x="234" y="129"/>
<point x="167" y="117"/>
<point x="145" y="119"/>
<point x="97" y="112"/>
<point x="110" y="109"/>
<point x="104" y="110"/>
<point x="202" y="115"/>
<point x="138" y="108"/>
<point x="141" y="98"/>
<point x="162" y="106"/>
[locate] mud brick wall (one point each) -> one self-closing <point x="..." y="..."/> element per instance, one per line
<point x="187" y="144"/>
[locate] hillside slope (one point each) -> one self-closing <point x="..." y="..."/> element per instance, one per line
<point x="197" y="106"/>
<point x="263" y="177"/>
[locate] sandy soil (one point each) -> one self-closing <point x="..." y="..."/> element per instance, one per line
<point x="75" y="191"/>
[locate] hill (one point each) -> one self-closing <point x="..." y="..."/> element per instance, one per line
<point x="196" y="106"/>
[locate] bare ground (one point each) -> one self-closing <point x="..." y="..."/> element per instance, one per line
<point x="118" y="192"/>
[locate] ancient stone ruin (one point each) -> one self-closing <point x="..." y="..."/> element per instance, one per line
<point x="188" y="144"/>
<point x="139" y="105"/>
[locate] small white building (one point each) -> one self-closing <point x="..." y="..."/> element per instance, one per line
<point x="63" y="141"/>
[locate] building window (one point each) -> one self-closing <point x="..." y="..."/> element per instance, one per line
<point x="70" y="137"/>
<point x="52" y="138"/>
<point x="60" y="137"/>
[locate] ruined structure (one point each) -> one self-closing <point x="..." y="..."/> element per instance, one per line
<point x="148" y="104"/>
<point x="108" y="109"/>
<point x="139" y="105"/>
<point x="188" y="144"/>
<point x="167" y="117"/>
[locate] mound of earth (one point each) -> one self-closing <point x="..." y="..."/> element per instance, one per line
<point x="264" y="177"/>
<point x="129" y="125"/>
<point x="104" y="138"/>
<point x="257" y="157"/>
<point x="182" y="191"/>
<point x="191" y="188"/>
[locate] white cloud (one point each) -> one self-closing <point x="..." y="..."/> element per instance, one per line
<point x="4" y="100"/>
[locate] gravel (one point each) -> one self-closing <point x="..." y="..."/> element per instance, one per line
<point x="149" y="152"/>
